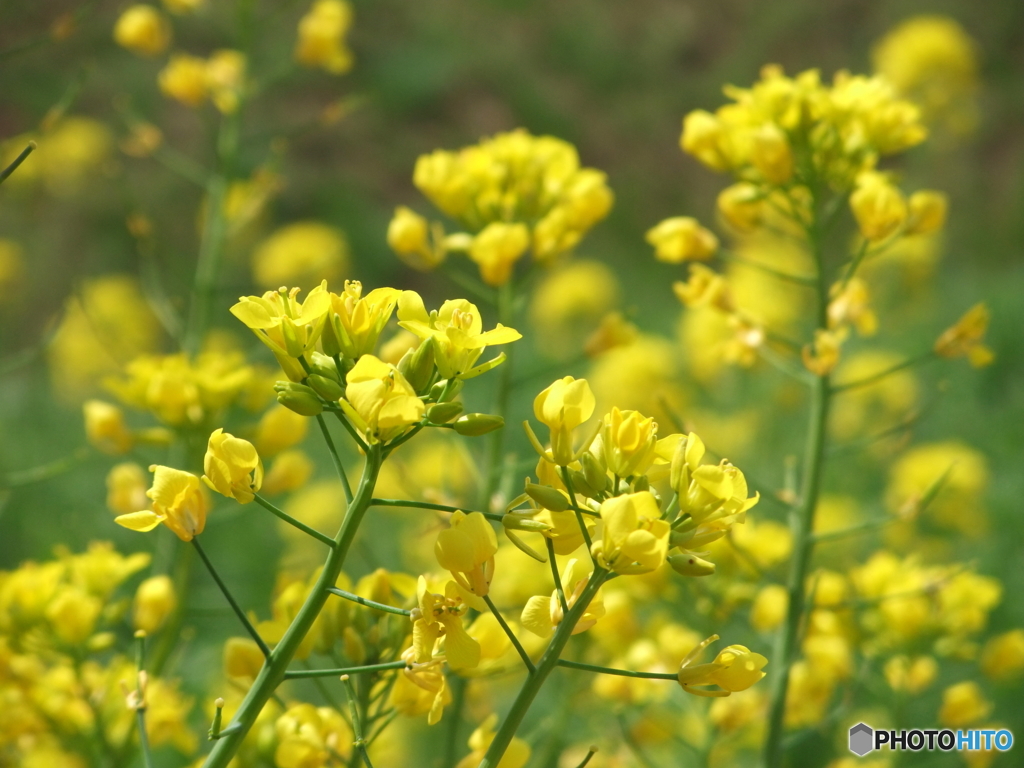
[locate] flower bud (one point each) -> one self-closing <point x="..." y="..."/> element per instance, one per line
<point x="418" y="366"/>
<point x="690" y="565"/>
<point x="328" y="389"/>
<point x="442" y="413"/>
<point x="520" y="522"/>
<point x="324" y="365"/>
<point x="927" y="212"/>
<point x="142" y="29"/>
<point x="438" y="389"/>
<point x="580" y="484"/>
<point x="476" y="424"/>
<point x="879" y="208"/>
<point x="105" y="428"/>
<point x="681" y="238"/>
<point x="355" y="648"/>
<point x="232" y="467"/>
<point x="594" y="471"/>
<point x="547" y="497"/>
<point x="741" y="205"/>
<point x="298" y="398"/>
<point x="154" y="602"/>
<point x="771" y="155"/>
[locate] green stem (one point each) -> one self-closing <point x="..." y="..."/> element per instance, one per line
<point x="495" y="457"/>
<point x="848" y="385"/>
<point x="511" y="635"/>
<point x="805" y="280"/>
<point x="275" y="667"/>
<point x="147" y="759"/>
<point x="535" y="681"/>
<point x="429" y="505"/>
<point x="325" y="539"/>
<point x="296" y="674"/>
<point x="575" y="507"/>
<point x="231" y="599"/>
<point x="369" y="603"/>
<point x="334" y="456"/>
<point x="618" y="672"/>
<point x="554" y="575"/>
<point x="357" y="722"/>
<point x="17" y="161"/>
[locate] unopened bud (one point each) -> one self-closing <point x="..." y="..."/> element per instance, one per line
<point x="328" y="389"/>
<point x="438" y="389"/>
<point x="418" y="366"/>
<point x="101" y="641"/>
<point x="580" y="484"/>
<point x="548" y="497"/>
<point x="641" y="484"/>
<point x="594" y="471"/>
<point x="442" y="413"/>
<point x="690" y="565"/>
<point x="298" y="398"/>
<point x="323" y="365"/>
<point x="519" y="522"/>
<point x="476" y="424"/>
<point x="355" y="649"/>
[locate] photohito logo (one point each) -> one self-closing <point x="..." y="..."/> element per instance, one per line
<point x="865" y="739"/>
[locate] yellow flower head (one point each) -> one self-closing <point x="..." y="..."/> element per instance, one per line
<point x="379" y="401"/>
<point x="965" y="338"/>
<point x="823" y="355"/>
<point x="517" y="754"/>
<point x="1003" y="656"/>
<point x="563" y="407"/>
<point x="850" y="305"/>
<point x="963" y="704"/>
<point x="126" y="487"/>
<point x="497" y="248"/>
<point x="355" y="322"/>
<point x="409" y="237"/>
<point x="178" y="502"/>
<point x="926" y="212"/>
<point x="515" y="178"/>
<point x="309" y="737"/>
<point x="289" y="327"/>
<point x="682" y="238"/>
<point x="634" y="538"/>
<point x="225" y="77"/>
<point x="878" y="206"/>
<point x="911" y="675"/>
<point x="232" y="467"/>
<point x="543" y="613"/>
<point x="438" y="616"/>
<point x="155" y="600"/>
<point x="742" y="206"/>
<point x="705" y="288"/>
<point x="466" y="550"/>
<point x="105" y="427"/>
<point x="321" y="42"/>
<point x="456" y="331"/>
<point x="184" y="79"/>
<point x="735" y="668"/>
<point x="626" y="442"/>
<point x="708" y="493"/>
<point x="303" y="253"/>
<point x="142" y="29"/>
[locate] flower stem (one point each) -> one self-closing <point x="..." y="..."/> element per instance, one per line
<point x="575" y="508"/>
<point x="231" y="599"/>
<point x="147" y="759"/>
<point x="296" y="674"/>
<point x="335" y="457"/>
<point x="429" y="505"/>
<point x="544" y="668"/>
<point x="369" y="603"/>
<point x="619" y="672"/>
<point x="17" y="161"/>
<point x="554" y="575"/>
<point x="357" y="721"/>
<point x="321" y="537"/>
<point x="511" y="635"/>
<point x="276" y="665"/>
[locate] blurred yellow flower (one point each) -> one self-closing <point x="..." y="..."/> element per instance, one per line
<point x="911" y="675"/>
<point x="1002" y="658"/>
<point x="321" y="41"/>
<point x="126" y="488"/>
<point x="879" y="207"/>
<point x="178" y="502"/>
<point x="964" y="339"/>
<point x="682" y="238"/>
<point x="184" y="79"/>
<point x="741" y="205"/>
<point x="926" y="212"/>
<point x="183" y="6"/>
<point x="155" y="600"/>
<point x="568" y="301"/>
<point x="409" y="237"/>
<point x="303" y="254"/>
<point x="769" y="608"/>
<point x="309" y="736"/>
<point x="960" y="504"/>
<point x="963" y="704"/>
<point x="225" y="78"/>
<point x="143" y="29"/>
<point x="289" y="471"/>
<point x="517" y="755"/>
<point x="497" y="248"/>
<point x="105" y="427"/>
<point x="278" y="429"/>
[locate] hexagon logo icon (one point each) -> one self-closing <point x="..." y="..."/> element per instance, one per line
<point x="862" y="739"/>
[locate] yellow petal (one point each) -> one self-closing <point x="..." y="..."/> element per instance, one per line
<point x="536" y="616"/>
<point x="142" y="521"/>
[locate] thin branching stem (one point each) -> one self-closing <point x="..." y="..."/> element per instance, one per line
<point x="332" y="449"/>
<point x="575" y="507"/>
<point x="429" y="505"/>
<point x="297" y="674"/>
<point x="17" y="161"/>
<point x="511" y="635"/>
<point x="231" y="599"/>
<point x="369" y="603"/>
<point x="554" y="575"/>
<point x="619" y="672"/>
<point x="321" y="537"/>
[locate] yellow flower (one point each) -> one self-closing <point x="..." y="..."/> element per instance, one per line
<point x="142" y="29"/>
<point x="878" y="207"/>
<point x="823" y="355"/>
<point x="911" y="676"/>
<point x="705" y="288"/>
<point x="289" y="327"/>
<point x="303" y="253"/>
<point x="769" y="608"/>
<point x="926" y="212"/>
<point x="409" y="237"/>
<point x="682" y="238"/>
<point x="466" y="550"/>
<point x="225" y="77"/>
<point x="421" y="690"/>
<point x="178" y="502"/>
<point x="456" y="330"/>
<point x="73" y="614"/>
<point x="517" y="754"/>
<point x="634" y="538"/>
<point x="627" y="442"/>
<point x="849" y="304"/>
<point x="542" y="614"/>
<point x="964" y="339"/>
<point x="742" y="206"/>
<point x="105" y="428"/>
<point x="771" y="155"/>
<point x="735" y="668"/>
<point x="438" y="616"/>
<point x="155" y="600"/>
<point x="567" y="302"/>
<point x="1002" y="658"/>
<point x="184" y="79"/>
<point x="232" y="467"/>
<point x="126" y="487"/>
<point x="321" y="42"/>
<point x="702" y="133"/>
<point x="308" y="737"/>
<point x="288" y="472"/>
<point x="497" y="248"/>
<point x="563" y="407"/>
<point x="379" y="401"/>
<point x="355" y="321"/>
<point x="963" y="704"/>
<point x="768" y="542"/>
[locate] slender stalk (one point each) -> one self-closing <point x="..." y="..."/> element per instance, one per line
<point x="231" y="599"/>
<point x="335" y="457"/>
<point x="357" y="721"/>
<point x="910" y="361"/>
<point x="731" y="256"/>
<point x="321" y="537"/>
<point x="554" y="575"/>
<point x="297" y="674"/>
<point x="535" y="681"/>
<point x="147" y="759"/>
<point x="275" y="667"/>
<point x="429" y="505"/>
<point x="17" y="161"/>
<point x="495" y="451"/>
<point x="511" y="635"/>
<point x="575" y="507"/>
<point x="369" y="603"/>
<point x="618" y="672"/>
